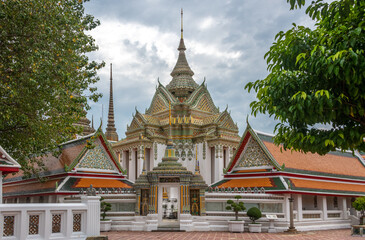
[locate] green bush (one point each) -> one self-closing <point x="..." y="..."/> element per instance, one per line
<point x="235" y="206"/>
<point x="104" y="207"/>
<point x="359" y="205"/>
<point x="254" y="213"/>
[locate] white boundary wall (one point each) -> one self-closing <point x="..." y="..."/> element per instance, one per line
<point x="83" y="217"/>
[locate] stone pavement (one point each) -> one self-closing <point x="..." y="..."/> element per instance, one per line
<point x="315" y="235"/>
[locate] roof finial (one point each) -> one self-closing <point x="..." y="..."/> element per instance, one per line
<point x="182" y="29"/>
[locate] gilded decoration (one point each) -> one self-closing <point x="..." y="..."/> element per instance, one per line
<point x="253" y="156"/>
<point x="157" y="105"/>
<point x="96" y="158"/>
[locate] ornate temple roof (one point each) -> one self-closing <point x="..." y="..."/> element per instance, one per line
<point x="259" y="163"/>
<point x="7" y="163"/>
<point x="182" y="83"/>
<point x="79" y="163"/>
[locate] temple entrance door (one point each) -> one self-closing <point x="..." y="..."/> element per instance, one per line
<point x="169" y="205"/>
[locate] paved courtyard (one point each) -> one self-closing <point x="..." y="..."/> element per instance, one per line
<point x="317" y="235"/>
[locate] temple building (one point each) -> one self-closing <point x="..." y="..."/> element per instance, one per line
<point x="180" y="162"/>
<point x="196" y="124"/>
<point x="79" y="163"/>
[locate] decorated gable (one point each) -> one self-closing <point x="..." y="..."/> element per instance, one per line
<point x="253" y="156"/>
<point x="225" y="120"/>
<point x="96" y="159"/>
<point x="205" y="103"/>
<point x="157" y="105"/>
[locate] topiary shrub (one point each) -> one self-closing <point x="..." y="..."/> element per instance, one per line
<point x="359" y="205"/>
<point x="236" y="206"/>
<point x="104" y="207"/>
<point x="254" y="213"/>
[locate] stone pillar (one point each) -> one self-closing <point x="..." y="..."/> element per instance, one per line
<point x="324" y="208"/>
<point x="299" y="208"/>
<point x="93" y="215"/>
<point x="291" y="228"/>
<point x="344" y="208"/>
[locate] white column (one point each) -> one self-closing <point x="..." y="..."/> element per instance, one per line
<point x="69" y="223"/>
<point x="287" y="207"/>
<point x="93" y="215"/>
<point x="47" y="224"/>
<point x="132" y="166"/>
<point x="24" y="224"/>
<point x="324" y="207"/>
<point x="218" y="163"/>
<point x="299" y="208"/>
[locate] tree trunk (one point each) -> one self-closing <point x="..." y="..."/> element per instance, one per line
<point x="362" y="220"/>
<point x="236" y="213"/>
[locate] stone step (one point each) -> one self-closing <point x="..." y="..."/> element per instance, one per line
<point x="168" y="229"/>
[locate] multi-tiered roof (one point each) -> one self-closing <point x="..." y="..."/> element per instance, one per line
<point x="194" y="114"/>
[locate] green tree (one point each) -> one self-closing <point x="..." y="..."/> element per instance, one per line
<point x="359" y="205"/>
<point x="316" y="81"/>
<point x="236" y="206"/>
<point x="45" y="75"/>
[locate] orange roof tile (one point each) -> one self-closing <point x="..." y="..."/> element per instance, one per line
<point x="321" y="185"/>
<point x="31" y="186"/>
<point x="329" y="163"/>
<point x="100" y="183"/>
<point x="248" y="182"/>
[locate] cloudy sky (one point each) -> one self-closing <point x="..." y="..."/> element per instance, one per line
<point x="225" y="39"/>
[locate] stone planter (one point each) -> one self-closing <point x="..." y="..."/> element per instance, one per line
<point x="105" y="226"/>
<point x="358" y="230"/>
<point x="254" y="227"/>
<point x="236" y="226"/>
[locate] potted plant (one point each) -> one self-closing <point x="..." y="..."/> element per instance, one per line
<point x="254" y="214"/>
<point x="105" y="224"/>
<point x="236" y="206"/>
<point x="359" y="205"/>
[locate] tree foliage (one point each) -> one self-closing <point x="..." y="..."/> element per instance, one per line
<point x="44" y="74"/>
<point x="359" y="205"/>
<point x="316" y="81"/>
<point x="235" y="206"/>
